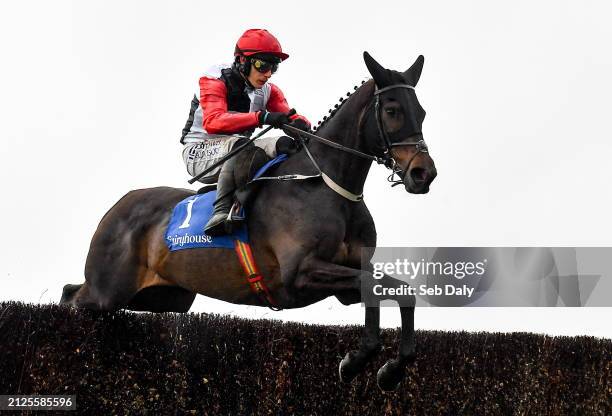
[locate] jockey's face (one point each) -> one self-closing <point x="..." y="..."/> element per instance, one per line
<point x="258" y="79"/>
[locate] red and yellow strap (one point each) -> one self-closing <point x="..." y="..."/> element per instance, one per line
<point x="255" y="279"/>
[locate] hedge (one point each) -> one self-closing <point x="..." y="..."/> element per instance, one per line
<point x="165" y="364"/>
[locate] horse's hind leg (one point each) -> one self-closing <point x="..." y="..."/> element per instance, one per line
<point x="107" y="286"/>
<point x="103" y="290"/>
<point x="342" y="281"/>
<point x="162" y="299"/>
<point x="113" y="269"/>
<point x="125" y="282"/>
<point x="68" y="293"/>
<point x="345" y="283"/>
<point x="79" y="296"/>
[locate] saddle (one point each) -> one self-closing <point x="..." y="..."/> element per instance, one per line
<point x="207" y="188"/>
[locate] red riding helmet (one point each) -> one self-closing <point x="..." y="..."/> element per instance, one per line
<point x="255" y="41"/>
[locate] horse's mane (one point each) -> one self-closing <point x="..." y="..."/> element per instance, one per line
<point x="332" y="111"/>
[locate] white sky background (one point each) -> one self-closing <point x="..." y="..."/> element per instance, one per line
<point x="94" y="94"/>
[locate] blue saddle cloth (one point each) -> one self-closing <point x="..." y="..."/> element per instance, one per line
<point x="186" y="226"/>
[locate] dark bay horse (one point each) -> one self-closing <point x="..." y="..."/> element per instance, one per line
<point x="307" y="237"/>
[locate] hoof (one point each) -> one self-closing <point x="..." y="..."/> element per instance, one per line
<point x="390" y="376"/>
<point x="347" y="370"/>
<point x="68" y="294"/>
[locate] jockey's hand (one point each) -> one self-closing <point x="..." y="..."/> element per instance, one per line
<point x="300" y="124"/>
<point x="274" y="119"/>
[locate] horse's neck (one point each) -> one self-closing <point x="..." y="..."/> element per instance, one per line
<point x="347" y="170"/>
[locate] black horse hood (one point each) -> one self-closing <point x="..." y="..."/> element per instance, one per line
<point x="384" y="77"/>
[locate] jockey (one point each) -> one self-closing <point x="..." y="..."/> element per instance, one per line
<point x="231" y="102"/>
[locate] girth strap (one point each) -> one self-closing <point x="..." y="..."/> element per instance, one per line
<point x="255" y="279"/>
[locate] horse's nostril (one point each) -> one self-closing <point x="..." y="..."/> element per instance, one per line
<point x="418" y="175"/>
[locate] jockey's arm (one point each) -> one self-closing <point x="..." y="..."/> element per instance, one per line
<point x="277" y="102"/>
<point x="215" y="118"/>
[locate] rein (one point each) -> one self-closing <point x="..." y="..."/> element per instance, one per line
<point x="333" y="144"/>
<point x="386" y="159"/>
<point x="328" y="181"/>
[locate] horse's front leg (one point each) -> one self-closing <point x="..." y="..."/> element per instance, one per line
<point x="344" y="282"/>
<point x="392" y="372"/>
<point x="317" y="276"/>
<point x="355" y="361"/>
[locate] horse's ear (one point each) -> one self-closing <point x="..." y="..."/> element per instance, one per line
<point x="413" y="73"/>
<point x="378" y="72"/>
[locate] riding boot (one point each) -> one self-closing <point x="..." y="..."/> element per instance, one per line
<point x="234" y="174"/>
<point x="220" y="223"/>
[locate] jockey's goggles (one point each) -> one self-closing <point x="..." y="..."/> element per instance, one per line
<point x="264" y="66"/>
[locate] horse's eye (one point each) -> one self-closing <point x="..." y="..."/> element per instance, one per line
<point x="390" y="111"/>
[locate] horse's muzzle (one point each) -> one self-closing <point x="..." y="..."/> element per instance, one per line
<point x="418" y="179"/>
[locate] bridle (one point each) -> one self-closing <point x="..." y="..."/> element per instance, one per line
<point x="387" y="158"/>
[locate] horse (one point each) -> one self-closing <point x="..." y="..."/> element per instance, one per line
<point x="307" y="237"/>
